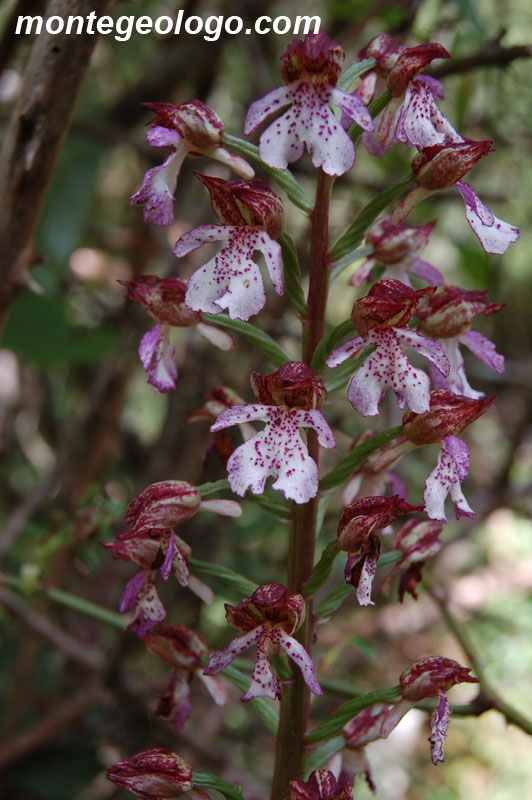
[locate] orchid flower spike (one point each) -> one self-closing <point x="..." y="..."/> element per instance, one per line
<point x="310" y="68"/>
<point x="190" y="129"/>
<point x="268" y="617"/>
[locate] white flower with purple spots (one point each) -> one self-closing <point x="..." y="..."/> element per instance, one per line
<point x="157" y="356"/>
<point x="277" y="450"/>
<point x="231" y="280"/>
<point x="494" y="234"/>
<point x="310" y="123"/>
<point x="446" y="478"/>
<point x="388" y="367"/>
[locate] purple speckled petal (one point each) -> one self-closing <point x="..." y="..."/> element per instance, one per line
<point x="232" y="279"/>
<point x="494" y="234"/>
<point x="439" y="722"/>
<point x="345" y="351"/>
<point x="263" y="108"/>
<point x="315" y="419"/>
<point x="299" y="656"/>
<point x="483" y="349"/>
<point x="203" y="234"/>
<point x="166" y="566"/>
<point x="236" y="415"/>
<point x="445" y="478"/>
<point x="352" y="105"/>
<point x="133" y="587"/>
<point x="388" y="367"/>
<point x="221" y="659"/>
<point x="263" y="682"/>
<point x="159" y="184"/>
<point x="157" y="356"/>
<point x="421" y="123"/>
<point x="141" y="595"/>
<point x="428" y="348"/>
<point x="457" y="380"/>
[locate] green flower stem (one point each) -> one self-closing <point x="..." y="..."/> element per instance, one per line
<point x="293" y="721"/>
<point x="62" y="598"/>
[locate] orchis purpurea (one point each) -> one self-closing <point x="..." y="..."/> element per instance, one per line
<point x="289" y="399"/>
<point x="252" y="217"/>
<point x="190" y="129"/>
<point x="267" y="618"/>
<point x="164" y="301"/>
<point x="310" y="68"/>
<point x="381" y="319"/>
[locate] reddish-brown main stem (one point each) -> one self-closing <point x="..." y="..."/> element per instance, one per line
<point x="295" y="701"/>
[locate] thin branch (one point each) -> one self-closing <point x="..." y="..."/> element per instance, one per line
<point x="493" y="54"/>
<point x="40" y="121"/>
<point x="489" y="697"/>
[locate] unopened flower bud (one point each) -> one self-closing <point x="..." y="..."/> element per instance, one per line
<point x="385" y="50"/>
<point x="293" y="385"/>
<point x="194" y="121"/>
<point x="394" y="243"/>
<point x="449" y="415"/>
<point x="449" y="310"/>
<point x="245" y="203"/>
<point x="321" y="785"/>
<point x="431" y="676"/>
<point x="176" y="645"/>
<point x="271" y="603"/>
<point x="163" y="299"/>
<point x="315" y="58"/>
<point x="163" y="505"/>
<point x="411" y="61"/>
<point x="388" y="303"/>
<point x="369" y="514"/>
<point x="440" y="166"/>
<point x="152" y="774"/>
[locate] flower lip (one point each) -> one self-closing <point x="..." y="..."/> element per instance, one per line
<point x="316" y="56"/>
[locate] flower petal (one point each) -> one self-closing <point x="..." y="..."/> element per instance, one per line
<point x="299" y="656"/>
<point x="263" y="681"/>
<point x="263" y="108"/>
<point x="494" y="234"/>
<point x="158" y="358"/>
<point x="221" y="659"/>
<point x="445" y="478"/>
<point x="345" y="351"/>
<point x="484" y="349"/>
<point x="439" y="722"/>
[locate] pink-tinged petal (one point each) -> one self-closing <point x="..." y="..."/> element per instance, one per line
<point x="140" y="596"/>
<point x="203" y="234"/>
<point x="426" y="271"/>
<point x="421" y="123"/>
<point x="299" y="656"/>
<point x="200" y="589"/>
<point x="483" y="349"/>
<point x="271" y="251"/>
<point x="221" y="659"/>
<point x="236" y="415"/>
<point x="174" y="705"/>
<point x="366" y="87"/>
<point x="353" y="106"/>
<point x="158" y="358"/>
<point x="215" y="688"/>
<point x="439" y="722"/>
<point x="179" y="562"/>
<point x="394" y="717"/>
<point x="263" y="108"/>
<point x="363" y="273"/>
<point x="373" y="146"/>
<point x="263" y="681"/>
<point x="158" y="186"/>
<point x="166" y="566"/>
<point x="235" y="162"/>
<point x="494" y="234"/>
<point x="215" y="336"/>
<point x="428" y="348"/>
<point x="315" y="419"/>
<point x="227" y="508"/>
<point x="445" y="478"/>
<point x="345" y="351"/>
<point x="403" y="209"/>
<point x="387" y="122"/>
<point x="457" y="380"/>
<point x="367" y="566"/>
